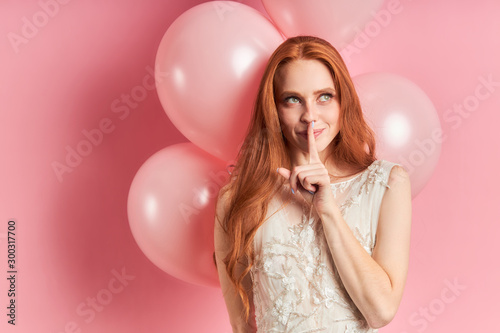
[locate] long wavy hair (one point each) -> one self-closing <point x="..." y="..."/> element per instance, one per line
<point x="254" y="180"/>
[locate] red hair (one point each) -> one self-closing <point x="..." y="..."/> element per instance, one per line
<point x="254" y="180"/>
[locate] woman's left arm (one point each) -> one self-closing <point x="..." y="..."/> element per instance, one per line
<point x="375" y="283"/>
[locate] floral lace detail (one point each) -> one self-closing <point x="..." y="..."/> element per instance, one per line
<point x="299" y="262"/>
<point x="364" y="239"/>
<point x="302" y="255"/>
<point x="375" y="173"/>
<point x="296" y="285"/>
<point x="341" y="186"/>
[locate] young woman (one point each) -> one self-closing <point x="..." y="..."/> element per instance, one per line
<point x="312" y="232"/>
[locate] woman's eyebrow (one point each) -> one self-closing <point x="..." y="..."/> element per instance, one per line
<point x="325" y="90"/>
<point x="289" y="93"/>
<point x="317" y="92"/>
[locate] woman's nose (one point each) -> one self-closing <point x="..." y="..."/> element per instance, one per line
<point x="310" y="112"/>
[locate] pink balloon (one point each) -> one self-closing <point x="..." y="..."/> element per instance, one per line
<point x="208" y="67"/>
<point x="171" y="209"/>
<point x="338" y="21"/>
<point x="405" y="121"/>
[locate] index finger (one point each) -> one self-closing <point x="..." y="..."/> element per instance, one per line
<point x="311" y="142"/>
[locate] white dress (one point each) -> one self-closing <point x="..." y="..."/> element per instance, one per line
<point x="296" y="287"/>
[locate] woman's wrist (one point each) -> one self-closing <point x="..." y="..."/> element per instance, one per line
<point x="332" y="215"/>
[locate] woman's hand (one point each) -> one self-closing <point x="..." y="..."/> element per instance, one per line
<point x="312" y="179"/>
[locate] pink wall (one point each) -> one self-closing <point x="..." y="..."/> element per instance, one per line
<point x="73" y="236"/>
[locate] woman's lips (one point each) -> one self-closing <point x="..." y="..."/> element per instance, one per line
<point x="316" y="133"/>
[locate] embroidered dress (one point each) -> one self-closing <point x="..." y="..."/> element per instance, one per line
<point x="296" y="286"/>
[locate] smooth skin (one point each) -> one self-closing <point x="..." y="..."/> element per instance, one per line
<point x="375" y="283"/>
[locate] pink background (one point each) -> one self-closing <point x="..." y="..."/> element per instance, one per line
<point x="73" y="233"/>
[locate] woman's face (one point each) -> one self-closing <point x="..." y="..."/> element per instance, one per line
<point x="305" y="91"/>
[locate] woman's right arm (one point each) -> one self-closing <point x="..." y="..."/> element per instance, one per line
<point x="234" y="304"/>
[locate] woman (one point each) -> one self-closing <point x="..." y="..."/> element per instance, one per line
<point x="312" y="232"/>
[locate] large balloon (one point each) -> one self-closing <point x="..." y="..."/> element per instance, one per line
<point x="208" y="67"/>
<point x="338" y="21"/>
<point x="405" y="121"/>
<point x="171" y="209"/>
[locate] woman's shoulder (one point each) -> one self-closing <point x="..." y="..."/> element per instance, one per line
<point x="224" y="195"/>
<point x="391" y="171"/>
<point x="221" y="240"/>
<point x="390" y="165"/>
<point x="396" y="173"/>
<point x="384" y="164"/>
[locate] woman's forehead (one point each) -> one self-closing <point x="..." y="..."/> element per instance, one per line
<point x="303" y="75"/>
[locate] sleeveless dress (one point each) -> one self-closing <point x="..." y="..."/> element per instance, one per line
<point x="296" y="286"/>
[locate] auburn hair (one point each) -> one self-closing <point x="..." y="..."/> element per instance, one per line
<point x="254" y="180"/>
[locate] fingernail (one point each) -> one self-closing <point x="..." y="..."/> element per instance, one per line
<point x="293" y="192"/>
<point x="311" y="192"/>
<point x="313" y="124"/>
<point x="277" y="170"/>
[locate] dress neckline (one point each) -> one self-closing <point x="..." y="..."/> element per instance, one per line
<point x="359" y="174"/>
<point x="345" y="181"/>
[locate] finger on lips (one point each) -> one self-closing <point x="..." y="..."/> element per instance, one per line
<point x="311" y="142"/>
<point x="292" y="176"/>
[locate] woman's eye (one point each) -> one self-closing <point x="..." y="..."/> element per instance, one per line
<point x="325" y="97"/>
<point x="292" y="100"/>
